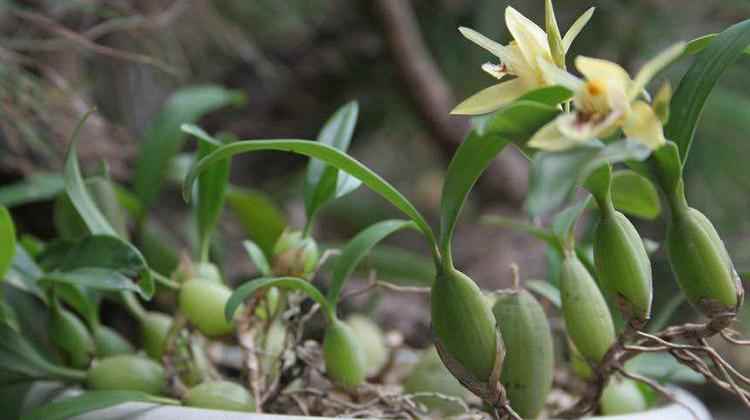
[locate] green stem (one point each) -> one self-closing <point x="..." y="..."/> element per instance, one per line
<point x="68" y="374"/>
<point x="133" y="306"/>
<point x="165" y="281"/>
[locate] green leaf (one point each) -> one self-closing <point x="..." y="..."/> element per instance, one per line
<point x="328" y="154"/>
<point x="8" y="241"/>
<point x="699" y="44"/>
<point x="21" y="362"/>
<point x="163" y="138"/>
<point x="293" y="283"/>
<point x="663" y="368"/>
<point x="262" y="220"/>
<point x="89" y="401"/>
<point x="257" y="257"/>
<point x="76" y="189"/>
<point x="401" y="266"/>
<point x="563" y="224"/>
<point x="635" y="195"/>
<point x="212" y="186"/>
<point x="691" y="95"/>
<point x="90" y="213"/>
<point x="555" y="175"/>
<point x="516" y="122"/>
<point x="101" y="279"/>
<point x="36" y="187"/>
<point x="546" y="290"/>
<point x="103" y="192"/>
<point x="667" y="160"/>
<point x="159" y="248"/>
<point x="324" y="183"/>
<point x="24" y="272"/>
<point x="357" y="249"/>
<point x="519" y="226"/>
<point x="97" y="252"/>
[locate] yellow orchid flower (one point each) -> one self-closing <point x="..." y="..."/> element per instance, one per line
<point x="605" y="100"/>
<point x="520" y="58"/>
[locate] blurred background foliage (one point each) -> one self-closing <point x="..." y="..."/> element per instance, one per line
<point x="297" y="61"/>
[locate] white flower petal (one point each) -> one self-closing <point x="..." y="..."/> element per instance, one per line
<point x="572" y="127"/>
<point x="603" y="70"/>
<point x="530" y="38"/>
<point x="495" y="70"/>
<point x="642" y="124"/>
<point x="654" y="66"/>
<point x="576" y="28"/>
<point x="491" y="99"/>
<point x="554" y="75"/>
<point x="495" y="48"/>
<point x="550" y="138"/>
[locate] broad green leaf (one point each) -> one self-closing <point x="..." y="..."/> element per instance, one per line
<point x="100" y="252"/>
<point x="546" y="290"/>
<point x="257" y="257"/>
<point x="555" y="175"/>
<point x="635" y="195"/>
<point x="292" y="283"/>
<point x="163" y="138"/>
<point x="691" y="95"/>
<point x="36" y="187"/>
<point x="358" y="248"/>
<point x="328" y="154"/>
<point x="33" y="318"/>
<point x="84" y="300"/>
<point x="212" y="186"/>
<point x="21" y="362"/>
<point x="101" y="279"/>
<point x="159" y="248"/>
<point x="324" y="183"/>
<point x="91" y="400"/>
<point x="68" y="223"/>
<point x="514" y="123"/>
<point x="7" y="241"/>
<point x="90" y="213"/>
<point x="262" y="220"/>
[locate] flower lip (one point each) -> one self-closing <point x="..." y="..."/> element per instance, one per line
<point x="595" y="87"/>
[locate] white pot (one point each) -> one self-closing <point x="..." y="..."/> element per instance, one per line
<point x="146" y="411"/>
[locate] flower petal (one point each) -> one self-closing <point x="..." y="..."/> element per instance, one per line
<point x="495" y="48"/>
<point x="491" y="99"/>
<point x="554" y="39"/>
<point x="550" y="138"/>
<point x="576" y="28"/>
<point x="597" y="69"/>
<point x="495" y="70"/>
<point x="554" y="75"/>
<point x="654" y="66"/>
<point x="571" y="126"/>
<point x="530" y="38"/>
<point x="642" y="124"/>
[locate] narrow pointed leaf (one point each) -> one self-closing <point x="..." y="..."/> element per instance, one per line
<point x="37" y="187"/>
<point x="691" y="95"/>
<point x="89" y="401"/>
<point x="517" y="122"/>
<point x="261" y="218"/>
<point x="328" y="154"/>
<point x="163" y="138"/>
<point x="292" y="283"/>
<point x="555" y="175"/>
<point x="323" y="182"/>
<point x="212" y="186"/>
<point x="257" y="257"/>
<point x="546" y="290"/>
<point x="358" y="248"/>
<point x="7" y="241"/>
